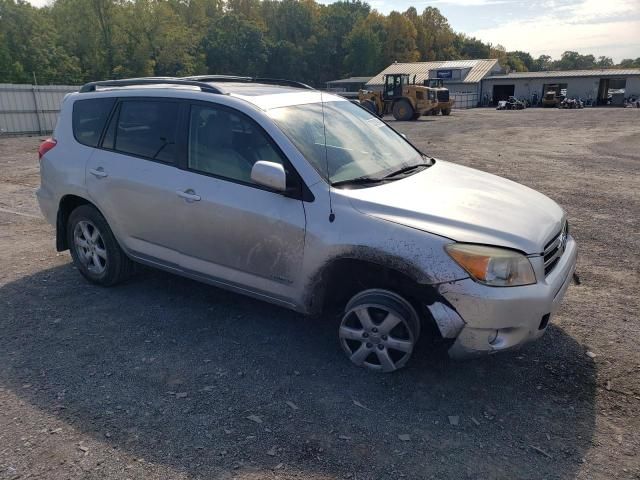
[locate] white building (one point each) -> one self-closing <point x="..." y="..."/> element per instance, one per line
<point x="463" y="78"/>
<point x="585" y="84"/>
<point x="480" y="82"/>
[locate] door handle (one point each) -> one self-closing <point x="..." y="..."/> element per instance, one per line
<point x="98" y="172"/>
<point x="189" y="195"/>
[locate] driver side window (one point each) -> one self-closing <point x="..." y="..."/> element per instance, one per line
<point x="226" y="144"/>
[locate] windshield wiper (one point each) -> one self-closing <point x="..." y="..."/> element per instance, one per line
<point x="357" y="181"/>
<point x="407" y="169"/>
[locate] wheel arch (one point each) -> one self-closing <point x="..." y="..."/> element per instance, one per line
<point x="343" y="276"/>
<point x="68" y="203"/>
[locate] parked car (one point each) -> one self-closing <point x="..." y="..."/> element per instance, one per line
<point x="300" y="198"/>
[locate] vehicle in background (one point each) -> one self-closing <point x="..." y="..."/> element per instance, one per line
<point x="445" y="102"/>
<point x="275" y="190"/>
<point x="571" y="103"/>
<point x="400" y="97"/>
<point x="512" y="103"/>
<point x="552" y="99"/>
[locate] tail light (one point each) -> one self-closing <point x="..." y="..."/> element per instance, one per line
<point x="45" y="146"/>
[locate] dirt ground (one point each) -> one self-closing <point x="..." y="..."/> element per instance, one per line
<point x="166" y="378"/>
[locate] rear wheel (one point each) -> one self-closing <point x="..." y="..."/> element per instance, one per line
<point x="446" y="111"/>
<point x="94" y="249"/>
<point x="379" y="330"/>
<point x="402" y="110"/>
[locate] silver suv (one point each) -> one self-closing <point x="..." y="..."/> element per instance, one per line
<point x="303" y="199"/>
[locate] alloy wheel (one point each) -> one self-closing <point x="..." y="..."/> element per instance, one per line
<point x="90" y="247"/>
<point x="377" y="336"/>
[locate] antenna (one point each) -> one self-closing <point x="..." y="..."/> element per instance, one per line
<point x="332" y="216"/>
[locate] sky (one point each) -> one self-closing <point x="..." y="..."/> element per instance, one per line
<point x="610" y="28"/>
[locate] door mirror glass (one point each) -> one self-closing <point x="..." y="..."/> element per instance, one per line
<point x="269" y="174"/>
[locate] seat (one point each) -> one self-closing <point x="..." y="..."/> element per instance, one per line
<point x="214" y="152"/>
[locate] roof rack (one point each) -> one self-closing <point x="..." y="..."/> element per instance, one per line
<point x="128" y="82"/>
<point x="264" y="80"/>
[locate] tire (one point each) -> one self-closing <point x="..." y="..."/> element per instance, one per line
<point x="446" y="111"/>
<point x="379" y="330"/>
<point x="402" y="111"/>
<point x="370" y="106"/>
<point x="94" y="249"/>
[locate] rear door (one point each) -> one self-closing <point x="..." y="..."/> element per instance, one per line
<point x="133" y="176"/>
<point x="235" y="231"/>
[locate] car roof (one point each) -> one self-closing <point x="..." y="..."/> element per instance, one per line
<point x="265" y="96"/>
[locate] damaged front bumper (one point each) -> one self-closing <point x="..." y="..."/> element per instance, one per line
<point x="485" y="320"/>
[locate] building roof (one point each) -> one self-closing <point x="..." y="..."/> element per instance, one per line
<point x="479" y="69"/>
<point x="351" y="80"/>
<point x="568" y="73"/>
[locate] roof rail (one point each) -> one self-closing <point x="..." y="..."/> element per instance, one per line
<point x="265" y="80"/>
<point x="129" y="82"/>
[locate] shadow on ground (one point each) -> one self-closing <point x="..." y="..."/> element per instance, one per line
<point x="170" y="369"/>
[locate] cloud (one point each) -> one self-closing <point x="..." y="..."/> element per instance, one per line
<point x="585" y="26"/>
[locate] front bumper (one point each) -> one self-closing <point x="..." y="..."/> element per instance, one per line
<point x="493" y="319"/>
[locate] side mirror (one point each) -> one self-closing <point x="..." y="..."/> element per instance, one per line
<point x="269" y="174"/>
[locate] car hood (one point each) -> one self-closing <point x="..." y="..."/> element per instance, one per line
<point x="465" y="205"/>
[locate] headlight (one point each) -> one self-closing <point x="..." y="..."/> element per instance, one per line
<point x="497" y="267"/>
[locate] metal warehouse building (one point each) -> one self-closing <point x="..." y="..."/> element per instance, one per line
<point x="463" y="78"/>
<point x="585" y="84"/>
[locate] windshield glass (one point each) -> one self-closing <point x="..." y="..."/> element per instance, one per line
<point x="358" y="144"/>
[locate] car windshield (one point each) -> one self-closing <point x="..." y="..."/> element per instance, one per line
<point x="358" y="145"/>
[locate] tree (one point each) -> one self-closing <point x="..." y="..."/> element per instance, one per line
<point x="434" y="36"/>
<point x="235" y="46"/>
<point x="542" y="63"/>
<point x="30" y="46"/>
<point x="574" y="61"/>
<point x="604" y="62"/>
<point x="630" y="63"/>
<point x="364" y="45"/>
<point x="401" y="39"/>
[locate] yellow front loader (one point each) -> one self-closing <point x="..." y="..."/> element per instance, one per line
<point x="405" y="100"/>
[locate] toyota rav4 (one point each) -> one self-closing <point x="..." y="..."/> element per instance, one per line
<point x="294" y="196"/>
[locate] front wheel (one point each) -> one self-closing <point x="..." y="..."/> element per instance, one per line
<point x="94" y="249"/>
<point x="446" y="111"/>
<point x="379" y="330"/>
<point x="402" y="110"/>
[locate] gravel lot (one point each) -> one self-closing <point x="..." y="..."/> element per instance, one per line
<point x="166" y="378"/>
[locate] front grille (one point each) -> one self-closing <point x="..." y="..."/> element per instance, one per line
<point x="443" y="95"/>
<point x="554" y="249"/>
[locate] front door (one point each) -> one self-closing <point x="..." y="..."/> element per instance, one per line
<point x="233" y="230"/>
<point x="133" y="177"/>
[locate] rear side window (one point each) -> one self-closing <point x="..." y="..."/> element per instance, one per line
<point x="145" y="129"/>
<point x="89" y="117"/>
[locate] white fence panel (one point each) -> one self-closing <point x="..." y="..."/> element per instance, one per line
<point x="30" y="109"/>
<point x="465" y="100"/>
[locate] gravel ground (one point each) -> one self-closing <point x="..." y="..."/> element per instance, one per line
<point x="166" y="378"/>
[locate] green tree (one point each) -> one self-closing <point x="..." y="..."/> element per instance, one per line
<point x="542" y="63"/>
<point x="235" y="46"/>
<point x="400" y="45"/>
<point x="574" y="61"/>
<point x="30" y="46"/>
<point x="604" y="62"/>
<point x="364" y="45"/>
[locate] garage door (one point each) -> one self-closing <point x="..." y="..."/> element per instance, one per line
<point x="502" y="92"/>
